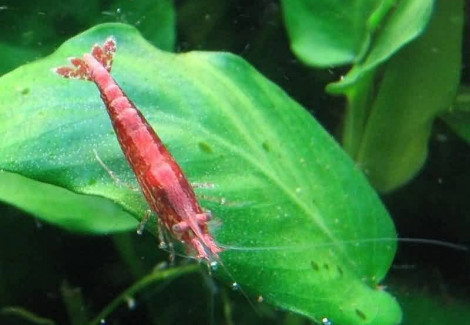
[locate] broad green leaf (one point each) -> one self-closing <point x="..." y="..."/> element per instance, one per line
<point x="326" y="33"/>
<point x="419" y="83"/>
<point x="301" y="226"/>
<point x="458" y="118"/>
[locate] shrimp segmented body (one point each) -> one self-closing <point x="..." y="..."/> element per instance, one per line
<point x="163" y="183"/>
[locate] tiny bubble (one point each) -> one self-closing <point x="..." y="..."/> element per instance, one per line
<point x="235" y="286"/>
<point x="260" y="299"/>
<point x="163" y="245"/>
<point x="214" y="265"/>
<point x="441" y="138"/>
<point x="23" y="90"/>
<point x="38" y="223"/>
<point x="140" y="231"/>
<point x="130" y="303"/>
<point x="118" y="10"/>
<point x="160" y="266"/>
<point x="326" y="321"/>
<point x="103" y="321"/>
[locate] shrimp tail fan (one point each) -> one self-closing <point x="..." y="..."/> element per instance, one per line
<point x="79" y="70"/>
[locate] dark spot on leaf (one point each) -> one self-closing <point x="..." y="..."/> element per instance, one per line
<point x="24" y="91"/>
<point x="340" y="270"/>
<point x="326" y="266"/>
<point x="205" y="147"/>
<point x="361" y="314"/>
<point x="315" y="266"/>
<point x="266" y="146"/>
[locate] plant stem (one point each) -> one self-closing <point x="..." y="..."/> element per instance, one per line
<point x="142" y="283"/>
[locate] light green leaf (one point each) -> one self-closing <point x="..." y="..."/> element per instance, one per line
<point x="301" y="227"/>
<point x="419" y="83"/>
<point x="406" y="22"/>
<point x="326" y="33"/>
<point x="59" y="206"/>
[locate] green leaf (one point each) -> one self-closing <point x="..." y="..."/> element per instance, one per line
<point x="380" y="124"/>
<point x="458" y="118"/>
<point x="425" y="308"/>
<point x="301" y="227"/>
<point x="59" y="206"/>
<point x="406" y="22"/>
<point x="34" y="29"/>
<point x="326" y="33"/>
<point x="13" y="56"/>
<point x="418" y="84"/>
<point x="155" y="20"/>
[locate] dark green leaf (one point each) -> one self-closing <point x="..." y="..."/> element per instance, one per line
<point x="26" y="315"/>
<point x="154" y="19"/>
<point x="458" y="118"/>
<point x="13" y="56"/>
<point x="425" y="308"/>
<point x="301" y="227"/>
<point x="32" y="29"/>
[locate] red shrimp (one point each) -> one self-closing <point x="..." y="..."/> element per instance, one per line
<point x="163" y="183"/>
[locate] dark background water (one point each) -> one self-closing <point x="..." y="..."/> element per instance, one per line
<point x="38" y="262"/>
